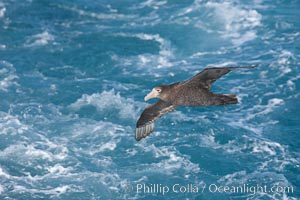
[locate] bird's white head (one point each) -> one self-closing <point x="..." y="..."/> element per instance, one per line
<point x="155" y="93"/>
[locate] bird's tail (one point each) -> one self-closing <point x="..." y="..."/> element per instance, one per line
<point x="224" y="99"/>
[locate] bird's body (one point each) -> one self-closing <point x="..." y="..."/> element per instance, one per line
<point x="191" y="95"/>
<point x="188" y="95"/>
<point x="192" y="92"/>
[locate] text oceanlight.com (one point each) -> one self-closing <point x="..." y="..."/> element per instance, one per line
<point x="211" y="188"/>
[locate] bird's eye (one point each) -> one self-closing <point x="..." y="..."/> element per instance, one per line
<point x="158" y="90"/>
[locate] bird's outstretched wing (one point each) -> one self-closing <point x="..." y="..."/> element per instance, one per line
<point x="145" y="124"/>
<point x="209" y="75"/>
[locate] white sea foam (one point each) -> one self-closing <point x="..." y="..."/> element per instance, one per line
<point x="269" y="154"/>
<point x="281" y="66"/>
<point x="105" y="180"/>
<point x="108" y="100"/>
<point x="2" y="9"/>
<point x="239" y="23"/>
<point x="26" y="153"/>
<point x="2" y="12"/>
<point x="131" y="151"/>
<point x="100" y="137"/>
<point x="264" y="148"/>
<point x="152" y="3"/>
<point x="230" y="21"/>
<point x="243" y="177"/>
<point x="284" y="59"/>
<point x="234" y="178"/>
<point x="40" y="39"/>
<point x="171" y="161"/>
<point x="20" y="150"/>
<point x="59" y="170"/>
<point x="265" y="109"/>
<point x="267" y="148"/>
<point x="17" y="135"/>
<point x="2" y="46"/>
<point x="57" y="191"/>
<point x="44" y="158"/>
<point x="262" y="178"/>
<point x="11" y="125"/>
<point x="1" y="189"/>
<point x="4" y="174"/>
<point x="291" y="82"/>
<point x="8" y="75"/>
<point x="182" y="16"/>
<point x="200" y="54"/>
<point x="164" y="44"/>
<point x="145" y="60"/>
<point x="108" y="146"/>
<point x="257" y="111"/>
<point x="99" y="16"/>
<point x="178" y="116"/>
<point x="32" y="152"/>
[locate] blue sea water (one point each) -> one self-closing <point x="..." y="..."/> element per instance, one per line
<point x="73" y="75"/>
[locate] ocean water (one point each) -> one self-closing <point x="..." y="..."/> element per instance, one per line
<point x="73" y="75"/>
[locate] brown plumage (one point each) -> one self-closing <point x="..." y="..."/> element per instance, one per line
<point x="192" y="92"/>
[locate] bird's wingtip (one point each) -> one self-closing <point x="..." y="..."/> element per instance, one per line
<point x="232" y="67"/>
<point x="245" y="67"/>
<point x="250" y="66"/>
<point x="143" y="131"/>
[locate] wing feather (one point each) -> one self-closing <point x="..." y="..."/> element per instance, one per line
<point x="209" y="75"/>
<point x="145" y="124"/>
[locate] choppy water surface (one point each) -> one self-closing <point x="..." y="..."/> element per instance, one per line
<point x="73" y="75"/>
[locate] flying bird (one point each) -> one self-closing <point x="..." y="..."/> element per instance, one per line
<point x="192" y="92"/>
